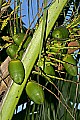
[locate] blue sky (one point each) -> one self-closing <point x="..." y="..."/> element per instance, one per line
<point x="30" y="12"/>
<point x="27" y="19"/>
<point x="32" y="9"/>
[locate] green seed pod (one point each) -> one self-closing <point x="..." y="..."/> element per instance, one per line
<point x="16" y="70"/>
<point x="35" y="92"/>
<point x="20" y="54"/>
<point x="48" y="69"/>
<point x="70" y="65"/>
<point x="18" y="38"/>
<point x="27" y="42"/>
<point x="11" y="50"/>
<point x="60" y="32"/>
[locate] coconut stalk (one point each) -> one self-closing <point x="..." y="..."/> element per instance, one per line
<point x="29" y="59"/>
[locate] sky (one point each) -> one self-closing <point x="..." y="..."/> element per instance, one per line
<point x="30" y="12"/>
